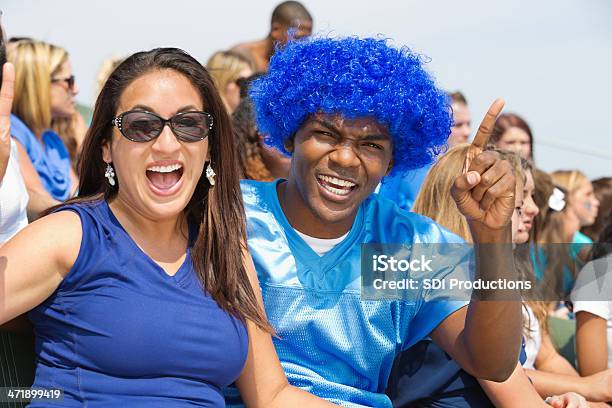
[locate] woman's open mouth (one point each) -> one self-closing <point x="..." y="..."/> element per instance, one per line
<point x="165" y="180"/>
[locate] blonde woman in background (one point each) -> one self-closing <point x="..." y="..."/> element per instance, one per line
<point x="229" y="69"/>
<point x="582" y="199"/>
<point x="434" y="202"/>
<point x="44" y="91"/>
<point x="70" y="127"/>
<point x="556" y="223"/>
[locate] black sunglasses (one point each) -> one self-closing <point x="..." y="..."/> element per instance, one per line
<point x="143" y="126"/>
<point x="69" y="81"/>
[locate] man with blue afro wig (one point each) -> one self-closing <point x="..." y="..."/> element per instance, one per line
<point x="349" y="111"/>
<point x="356" y="77"/>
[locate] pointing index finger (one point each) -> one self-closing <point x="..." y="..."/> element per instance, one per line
<point x="486" y="126"/>
<point x="484" y="133"/>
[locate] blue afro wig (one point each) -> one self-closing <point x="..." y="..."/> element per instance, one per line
<point x="355" y="77"/>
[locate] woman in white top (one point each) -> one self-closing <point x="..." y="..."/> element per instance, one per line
<point x="592" y="299"/>
<point x="13" y="194"/>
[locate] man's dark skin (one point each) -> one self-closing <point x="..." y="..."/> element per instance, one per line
<point x="289" y="20"/>
<point x="338" y="162"/>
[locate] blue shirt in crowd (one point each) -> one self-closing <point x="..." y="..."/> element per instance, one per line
<point x="50" y="158"/>
<point x="404" y="188"/>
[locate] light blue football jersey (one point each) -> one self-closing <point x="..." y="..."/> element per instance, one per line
<point x="331" y="342"/>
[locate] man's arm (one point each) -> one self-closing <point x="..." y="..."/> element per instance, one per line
<point x="485" y="340"/>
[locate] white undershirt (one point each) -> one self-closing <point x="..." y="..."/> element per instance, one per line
<point x="321" y="245"/>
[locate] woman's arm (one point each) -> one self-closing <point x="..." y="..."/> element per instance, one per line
<point x="597" y="387"/>
<point x="262" y="382"/>
<point x="35" y="261"/>
<point x="549" y="359"/>
<point x="516" y="391"/>
<point x="591" y="343"/>
<point x="570" y="400"/>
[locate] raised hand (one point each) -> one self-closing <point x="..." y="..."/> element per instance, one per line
<point x="484" y="193"/>
<point x="6" y="101"/>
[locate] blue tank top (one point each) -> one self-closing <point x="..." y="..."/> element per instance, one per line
<point x="119" y="331"/>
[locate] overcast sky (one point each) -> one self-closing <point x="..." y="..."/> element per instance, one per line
<point x="551" y="60"/>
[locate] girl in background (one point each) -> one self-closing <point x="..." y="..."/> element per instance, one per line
<point x="602" y="188"/>
<point x="447" y="385"/>
<point x="511" y="132"/>
<point x="71" y="127"/>
<point x="553" y="231"/>
<point x="44" y="91"/>
<point x="582" y="199"/>
<point x="229" y="70"/>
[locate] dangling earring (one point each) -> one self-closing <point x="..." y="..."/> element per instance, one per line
<point x="210" y="174"/>
<point x="110" y="174"/>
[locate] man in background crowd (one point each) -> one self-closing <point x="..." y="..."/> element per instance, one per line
<point x="460" y="132"/>
<point x="290" y="19"/>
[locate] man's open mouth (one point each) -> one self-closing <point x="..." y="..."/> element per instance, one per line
<point x="336" y="185"/>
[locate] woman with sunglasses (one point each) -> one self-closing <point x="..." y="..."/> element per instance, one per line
<point x="229" y="70"/>
<point x="142" y="292"/>
<point x="44" y="95"/>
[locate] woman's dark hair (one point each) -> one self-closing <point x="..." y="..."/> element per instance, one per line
<point x="216" y="211"/>
<point x="603" y="247"/>
<point x="506" y="121"/>
<point x="547" y="236"/>
<point x="602" y="188"/>
<point x="249" y="143"/>
<point x="245" y="84"/>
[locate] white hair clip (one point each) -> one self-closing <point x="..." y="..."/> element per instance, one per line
<point x="556" y="201"/>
